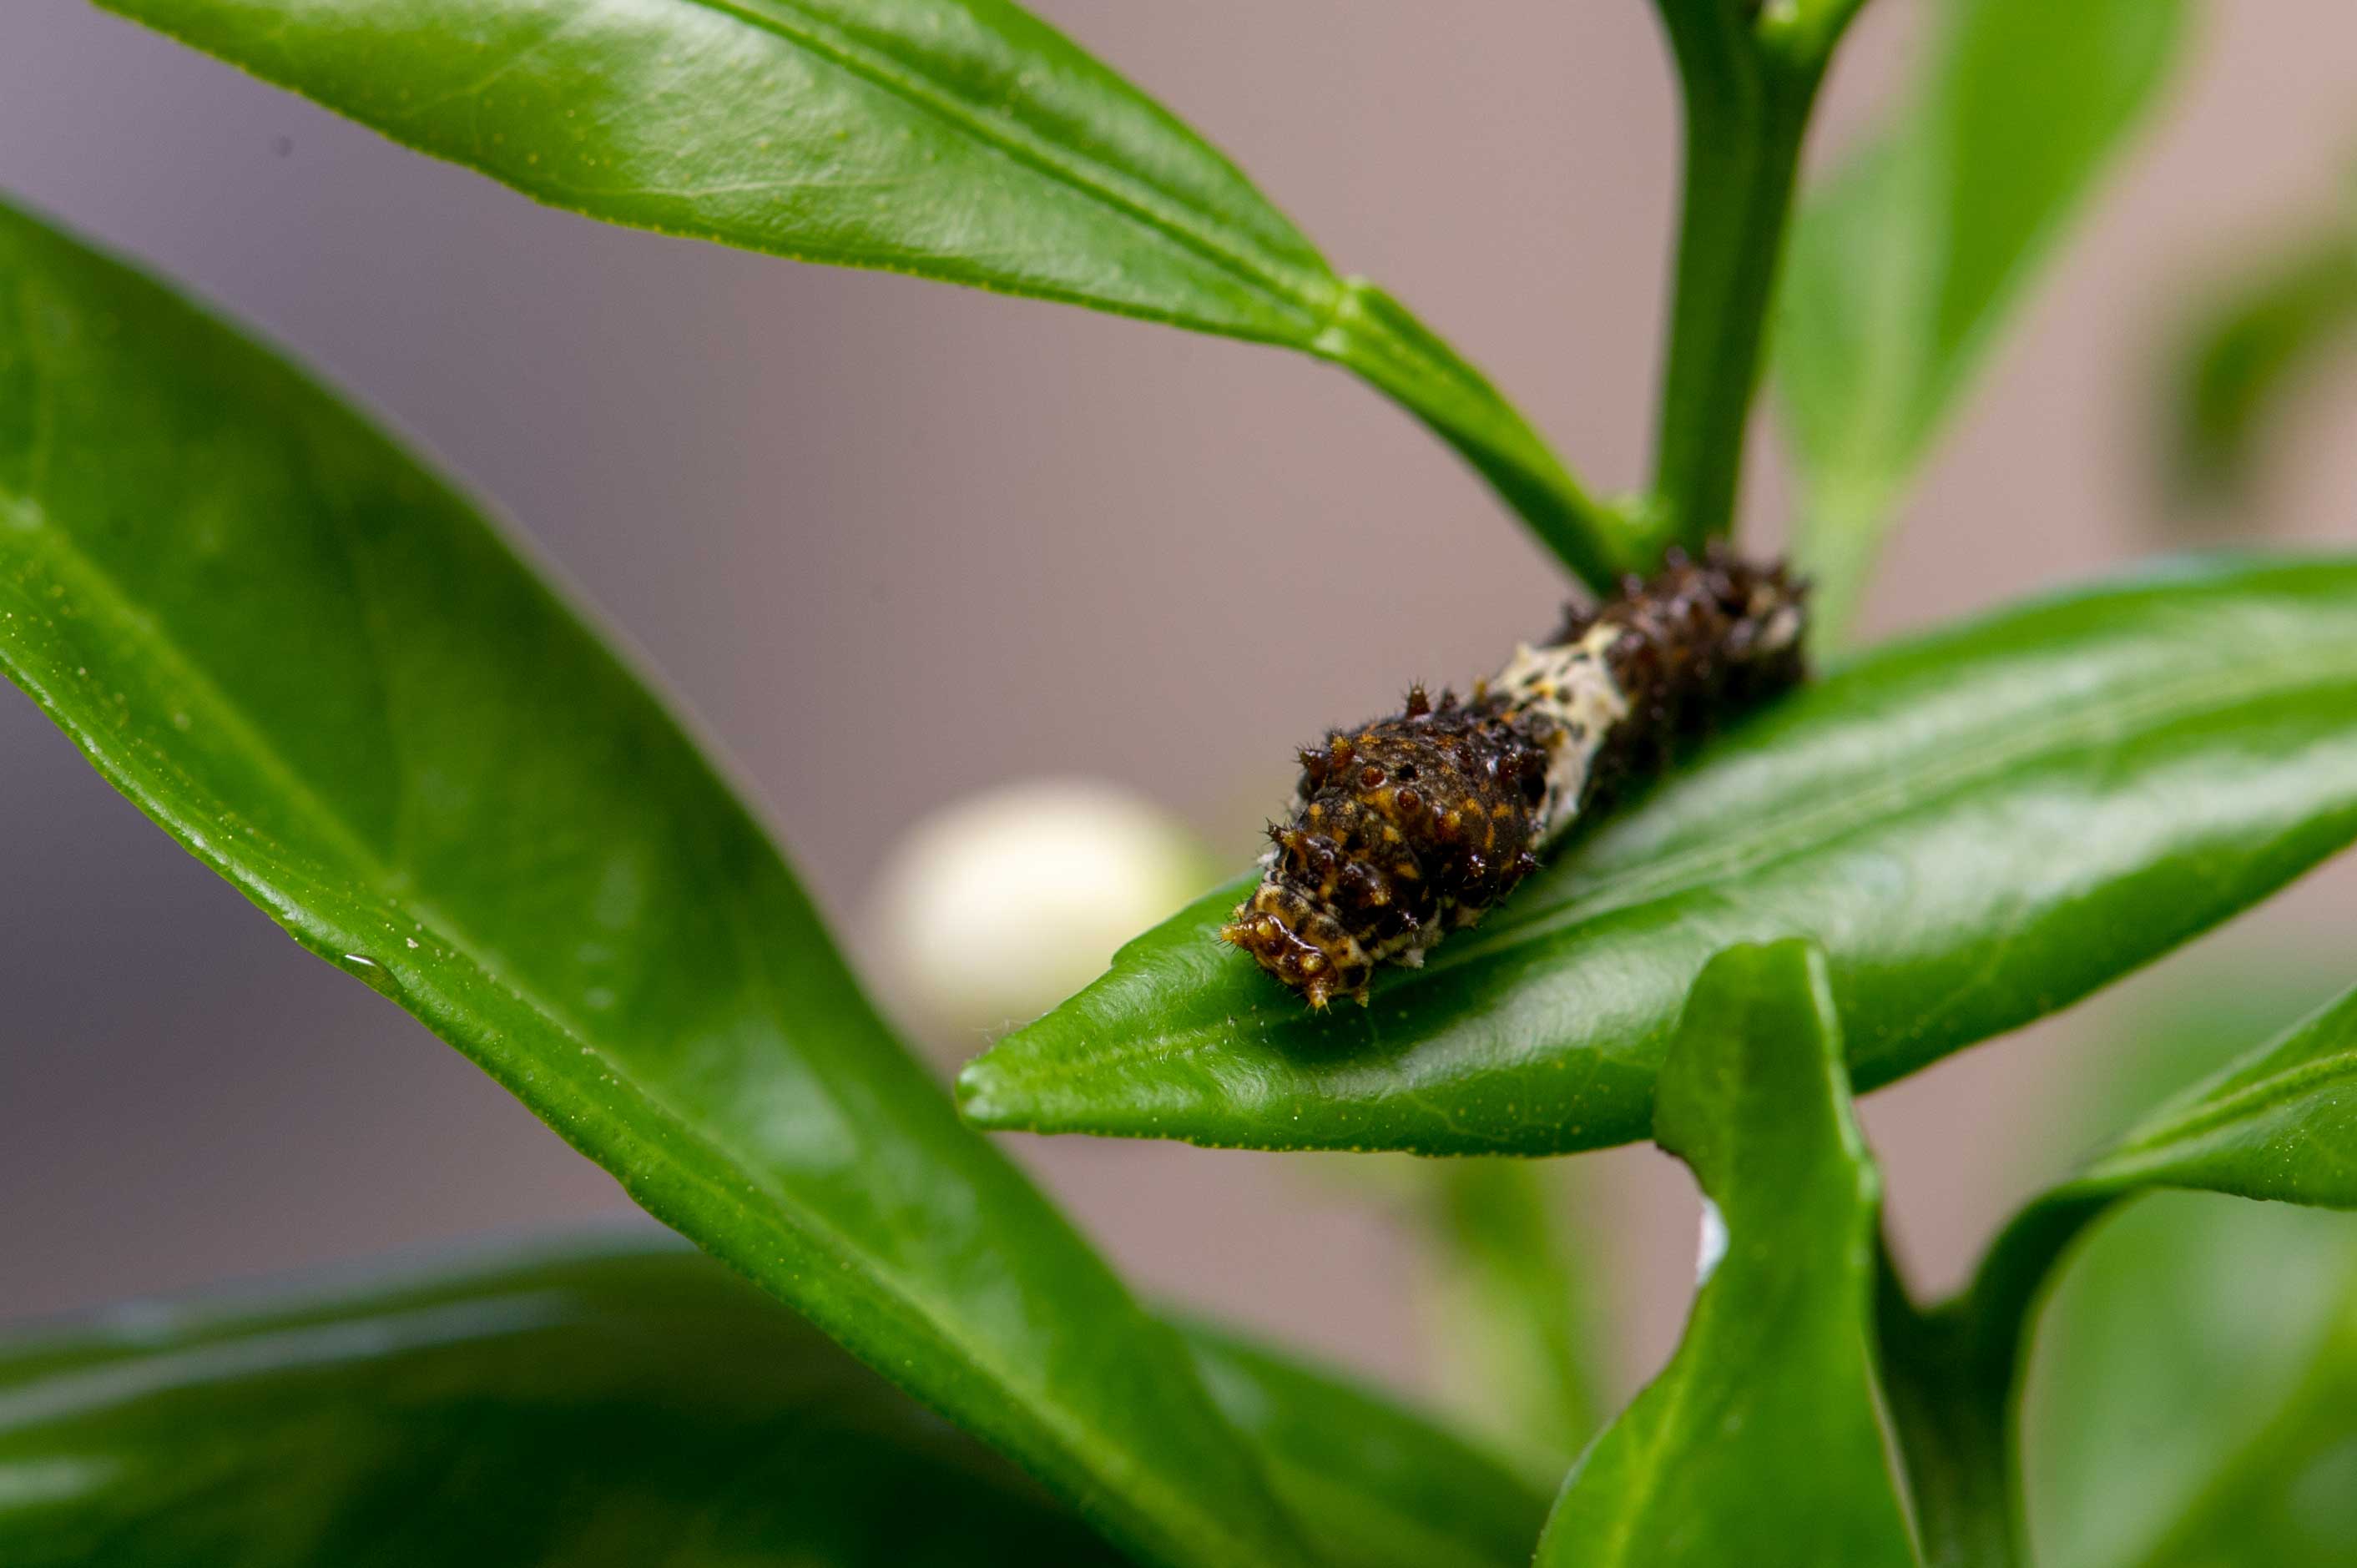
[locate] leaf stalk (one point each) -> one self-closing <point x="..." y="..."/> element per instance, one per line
<point x="1952" y="1374"/>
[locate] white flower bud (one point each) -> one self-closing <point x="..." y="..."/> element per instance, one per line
<point x="996" y="907"/>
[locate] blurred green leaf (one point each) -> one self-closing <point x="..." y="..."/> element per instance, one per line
<point x="1518" y="1326"/>
<point x="1903" y="265"/>
<point x="961" y="140"/>
<point x="2289" y="1498"/>
<point x="2247" y="353"/>
<point x="1978" y="826"/>
<point x="1761" y="1441"/>
<point x="1375" y="1486"/>
<point x="315" y="667"/>
<point x="2175" y="1338"/>
<point x="622" y="1410"/>
<point x="2185" y="1325"/>
<point x="2184" y="1322"/>
<point x="624" y="1403"/>
<point x="2275" y="1125"/>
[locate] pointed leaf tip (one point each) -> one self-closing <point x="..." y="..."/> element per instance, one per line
<point x="1766" y="1425"/>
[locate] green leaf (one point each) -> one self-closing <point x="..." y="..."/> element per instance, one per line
<point x="1903" y="265"/>
<point x="623" y="1403"/>
<point x="2290" y="1497"/>
<point x="2280" y="1124"/>
<point x="1979" y="827"/>
<point x="315" y="667"/>
<point x="1764" y="1428"/>
<point x="2174" y="1342"/>
<point x="2247" y="355"/>
<point x="1371" y="1484"/>
<point x="618" y="1410"/>
<point x="2187" y="1327"/>
<point x="2277" y="1125"/>
<point x="961" y="140"/>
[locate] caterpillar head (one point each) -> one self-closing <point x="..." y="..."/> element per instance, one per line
<point x="1303" y="945"/>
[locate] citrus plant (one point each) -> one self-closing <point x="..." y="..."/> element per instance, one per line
<point x="323" y="673"/>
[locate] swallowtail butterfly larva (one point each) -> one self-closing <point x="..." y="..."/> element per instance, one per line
<point x="1410" y="827"/>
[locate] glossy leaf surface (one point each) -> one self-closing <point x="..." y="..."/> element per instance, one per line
<point x="1903" y="265"/>
<point x="314" y="666"/>
<point x="623" y="1403"/>
<point x="1978" y="827"/>
<point x="619" y="1410"/>
<point x="962" y="140"/>
<point x="1763" y="1429"/>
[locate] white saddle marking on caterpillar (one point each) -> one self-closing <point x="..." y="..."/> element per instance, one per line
<point x="1571" y="685"/>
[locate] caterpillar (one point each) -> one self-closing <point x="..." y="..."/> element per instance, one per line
<point x="1411" y="826"/>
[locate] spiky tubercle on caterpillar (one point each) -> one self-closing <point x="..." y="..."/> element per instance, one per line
<point x="1414" y="825"/>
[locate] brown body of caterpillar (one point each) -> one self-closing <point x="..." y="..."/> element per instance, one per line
<point x="1416" y="824"/>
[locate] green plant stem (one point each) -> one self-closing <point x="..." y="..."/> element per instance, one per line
<point x="1954" y="1376"/>
<point x="1952" y="1403"/>
<point x="1749" y="82"/>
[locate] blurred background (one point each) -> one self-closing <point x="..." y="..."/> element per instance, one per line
<point x="799" y="492"/>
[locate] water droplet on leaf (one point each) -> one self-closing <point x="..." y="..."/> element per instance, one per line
<point x="370" y="973"/>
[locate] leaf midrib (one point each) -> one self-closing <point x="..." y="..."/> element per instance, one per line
<point x="1755" y="847"/>
<point x="2276" y="1089"/>
<point x="1313" y="298"/>
<point x="1085" y="1445"/>
<point x="1819" y="821"/>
